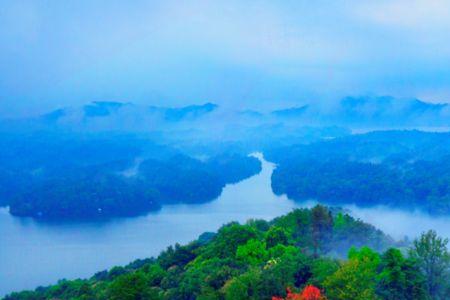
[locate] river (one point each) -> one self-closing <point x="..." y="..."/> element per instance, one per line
<point x="34" y="253"/>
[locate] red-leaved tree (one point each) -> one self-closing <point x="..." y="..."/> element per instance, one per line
<point x="310" y="292"/>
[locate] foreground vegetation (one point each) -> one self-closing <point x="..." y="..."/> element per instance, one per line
<point x="296" y="256"/>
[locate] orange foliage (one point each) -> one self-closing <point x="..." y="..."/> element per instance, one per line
<point x="310" y="292"/>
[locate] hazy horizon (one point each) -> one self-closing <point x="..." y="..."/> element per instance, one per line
<point x="253" y="54"/>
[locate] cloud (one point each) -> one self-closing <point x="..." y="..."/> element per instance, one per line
<point x="257" y="53"/>
<point x="408" y="14"/>
<point x="257" y="33"/>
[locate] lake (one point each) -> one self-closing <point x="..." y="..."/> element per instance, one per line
<point x="34" y="253"/>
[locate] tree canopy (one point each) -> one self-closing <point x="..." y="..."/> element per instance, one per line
<point x="274" y="260"/>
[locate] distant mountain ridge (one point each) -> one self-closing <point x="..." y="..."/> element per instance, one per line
<point x="293" y="112"/>
<point x="353" y="112"/>
<point x="99" y="109"/>
<point x="364" y="111"/>
<point x="186" y="112"/>
<point x="390" y="111"/>
<point x="102" y="108"/>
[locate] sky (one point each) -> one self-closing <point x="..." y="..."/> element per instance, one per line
<point x="245" y="54"/>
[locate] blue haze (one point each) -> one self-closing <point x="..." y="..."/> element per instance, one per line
<point x="251" y="54"/>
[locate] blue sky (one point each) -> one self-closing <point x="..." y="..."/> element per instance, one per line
<point x="250" y="54"/>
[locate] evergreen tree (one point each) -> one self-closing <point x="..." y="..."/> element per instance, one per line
<point x="400" y="278"/>
<point x="322" y="228"/>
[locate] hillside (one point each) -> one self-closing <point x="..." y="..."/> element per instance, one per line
<point x="98" y="176"/>
<point x="301" y="252"/>
<point x="402" y="169"/>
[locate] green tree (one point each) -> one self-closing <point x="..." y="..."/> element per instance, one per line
<point x="276" y="235"/>
<point x="243" y="287"/>
<point x="322" y="229"/>
<point x="321" y="269"/>
<point x="356" y="278"/>
<point x="155" y="273"/>
<point x="132" y="286"/>
<point x="253" y="252"/>
<point x="228" y="239"/>
<point x="430" y="252"/>
<point x="85" y="292"/>
<point x="203" y="276"/>
<point x="339" y="221"/>
<point x="297" y="225"/>
<point x="400" y="278"/>
<point x="287" y="268"/>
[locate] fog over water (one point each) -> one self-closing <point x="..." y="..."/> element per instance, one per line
<point x="45" y="253"/>
<point x="400" y="223"/>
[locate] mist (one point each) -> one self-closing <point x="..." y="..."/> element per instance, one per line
<point x="254" y="54"/>
<point x="400" y="223"/>
<point x="258" y="140"/>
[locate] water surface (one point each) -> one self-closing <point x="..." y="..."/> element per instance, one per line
<point x="33" y="254"/>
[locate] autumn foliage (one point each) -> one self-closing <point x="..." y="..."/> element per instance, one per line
<point x="310" y="292"/>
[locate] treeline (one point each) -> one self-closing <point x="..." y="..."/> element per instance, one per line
<point x="376" y="146"/>
<point x="404" y="169"/>
<point x="296" y="253"/>
<point x="64" y="176"/>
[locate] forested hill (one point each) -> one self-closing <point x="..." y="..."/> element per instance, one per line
<point x="300" y="254"/>
<point x="50" y="175"/>
<point x="401" y="169"/>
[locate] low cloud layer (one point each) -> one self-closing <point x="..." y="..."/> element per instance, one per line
<point x="251" y="54"/>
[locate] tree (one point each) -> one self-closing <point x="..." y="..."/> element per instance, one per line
<point x="85" y="292"/>
<point x="297" y="225"/>
<point x="400" y="278"/>
<point x="228" y="238"/>
<point x="253" y="252"/>
<point x="433" y="259"/>
<point x="132" y="286"/>
<point x="322" y="228"/>
<point x="243" y="287"/>
<point x="289" y="296"/>
<point x="276" y="235"/>
<point x="356" y="278"/>
<point x="311" y="292"/>
<point x="321" y="269"/>
<point x="288" y="267"/>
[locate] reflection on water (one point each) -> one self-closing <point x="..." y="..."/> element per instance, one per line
<point x="33" y="254"/>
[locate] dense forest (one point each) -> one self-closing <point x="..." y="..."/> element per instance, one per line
<point x="73" y="176"/>
<point x="405" y="169"/>
<point x="296" y="256"/>
<point x="97" y="175"/>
